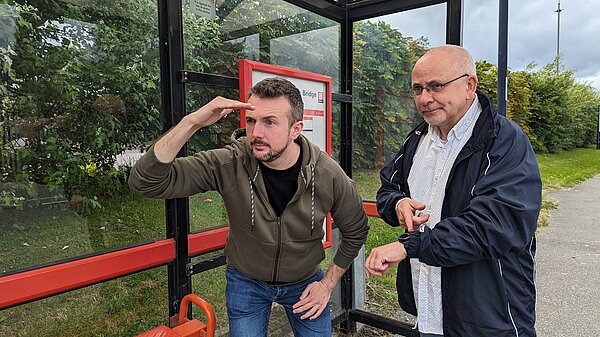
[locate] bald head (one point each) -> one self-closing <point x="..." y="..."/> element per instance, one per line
<point x="457" y="59"/>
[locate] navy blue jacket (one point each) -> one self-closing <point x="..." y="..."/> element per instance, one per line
<point x="485" y="242"/>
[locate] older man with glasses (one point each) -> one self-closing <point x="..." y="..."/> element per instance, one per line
<point x="466" y="187"/>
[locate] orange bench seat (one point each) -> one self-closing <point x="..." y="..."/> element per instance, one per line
<point x="187" y="327"/>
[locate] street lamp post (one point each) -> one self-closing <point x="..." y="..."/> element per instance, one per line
<point x="558" y="10"/>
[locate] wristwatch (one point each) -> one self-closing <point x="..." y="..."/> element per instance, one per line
<point x="404" y="240"/>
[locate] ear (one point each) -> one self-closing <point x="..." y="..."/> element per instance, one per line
<point x="297" y="129"/>
<point x="471" y="87"/>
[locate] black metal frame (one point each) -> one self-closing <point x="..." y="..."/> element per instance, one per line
<point x="502" y="56"/>
<point x="174" y="77"/>
<point x="598" y="139"/>
<point x="382" y="322"/>
<point x="170" y="23"/>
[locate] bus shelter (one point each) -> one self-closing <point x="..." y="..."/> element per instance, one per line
<point x="198" y="46"/>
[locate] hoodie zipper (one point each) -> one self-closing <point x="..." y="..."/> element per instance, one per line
<point x="277" y="252"/>
<point x="265" y="199"/>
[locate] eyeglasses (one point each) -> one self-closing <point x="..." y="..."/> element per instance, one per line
<point x="417" y="90"/>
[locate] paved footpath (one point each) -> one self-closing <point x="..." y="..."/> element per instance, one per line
<point x="568" y="264"/>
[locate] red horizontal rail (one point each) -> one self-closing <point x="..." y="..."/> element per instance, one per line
<point x="204" y="242"/>
<point x="46" y="281"/>
<point x="371" y="209"/>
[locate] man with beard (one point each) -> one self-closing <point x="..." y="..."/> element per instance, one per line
<point x="277" y="188"/>
<point x="466" y="187"/>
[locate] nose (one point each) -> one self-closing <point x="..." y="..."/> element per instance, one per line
<point x="256" y="131"/>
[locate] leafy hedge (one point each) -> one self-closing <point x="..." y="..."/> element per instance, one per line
<point x="556" y="111"/>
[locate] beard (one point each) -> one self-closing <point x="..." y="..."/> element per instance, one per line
<point x="271" y="155"/>
<point x="434" y="119"/>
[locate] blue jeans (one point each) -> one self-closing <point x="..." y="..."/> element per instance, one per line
<point x="249" y="306"/>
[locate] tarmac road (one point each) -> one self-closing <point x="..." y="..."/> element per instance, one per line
<point x="568" y="264"/>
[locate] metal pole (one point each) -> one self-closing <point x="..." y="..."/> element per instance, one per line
<point x="558" y="10"/>
<point x="598" y="138"/>
<point x="454" y="22"/>
<point x="347" y="283"/>
<point x="502" y="56"/>
<point x="170" y="20"/>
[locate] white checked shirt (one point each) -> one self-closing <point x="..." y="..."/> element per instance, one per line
<point x="427" y="182"/>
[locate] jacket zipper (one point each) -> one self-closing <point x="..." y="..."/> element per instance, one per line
<point x="277" y="252"/>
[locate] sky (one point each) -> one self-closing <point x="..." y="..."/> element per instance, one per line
<point x="532" y="32"/>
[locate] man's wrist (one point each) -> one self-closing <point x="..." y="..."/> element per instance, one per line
<point x="398" y="203"/>
<point x="190" y="125"/>
<point x="404" y="239"/>
<point x="332" y="276"/>
<point x="328" y="284"/>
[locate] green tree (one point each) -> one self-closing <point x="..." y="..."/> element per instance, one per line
<point x="519" y="94"/>
<point x="487" y="74"/>
<point x="584" y="101"/>
<point x="383" y="111"/>
<point x="519" y="103"/>
<point x="563" y="110"/>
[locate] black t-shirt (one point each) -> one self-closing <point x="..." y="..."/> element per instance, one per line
<point x="281" y="185"/>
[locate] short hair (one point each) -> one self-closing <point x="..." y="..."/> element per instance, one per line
<point x="273" y="87"/>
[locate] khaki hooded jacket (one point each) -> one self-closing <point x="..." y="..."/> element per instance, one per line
<point x="260" y="244"/>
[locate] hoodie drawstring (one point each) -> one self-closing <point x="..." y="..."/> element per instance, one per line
<point x="312" y="203"/>
<point x="250" y="180"/>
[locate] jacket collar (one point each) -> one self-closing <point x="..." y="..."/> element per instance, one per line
<point x="485" y="129"/>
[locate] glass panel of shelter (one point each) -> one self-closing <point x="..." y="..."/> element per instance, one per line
<point x="274" y="32"/>
<point x="385" y="48"/>
<point x="84" y="101"/>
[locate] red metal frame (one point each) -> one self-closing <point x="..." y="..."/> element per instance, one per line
<point x="208" y="241"/>
<point x="246" y="67"/>
<point x="39" y="283"/>
<point x="47" y="281"/>
<point x="371" y="209"/>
